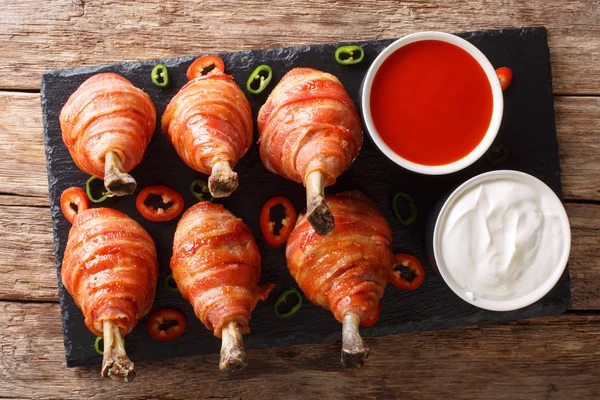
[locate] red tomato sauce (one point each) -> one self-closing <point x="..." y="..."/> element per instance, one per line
<point x="431" y="102"/>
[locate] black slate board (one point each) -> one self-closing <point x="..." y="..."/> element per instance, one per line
<point x="528" y="130"/>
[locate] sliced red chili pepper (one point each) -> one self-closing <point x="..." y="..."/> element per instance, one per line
<point x="414" y="265"/>
<point x="367" y="322"/>
<point x="206" y="65"/>
<point x="505" y="76"/>
<point x="166" y="324"/>
<point x="173" y="204"/>
<point x="287" y="223"/>
<point x="72" y="201"/>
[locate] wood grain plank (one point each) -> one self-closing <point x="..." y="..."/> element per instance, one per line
<point x="515" y="360"/>
<point x="578" y="131"/>
<point x="583" y="263"/>
<point x="12" y="200"/>
<point x="27" y="269"/>
<point x="23" y="166"/>
<point x="69" y="33"/>
<point x="23" y="170"/>
<point x="27" y="263"/>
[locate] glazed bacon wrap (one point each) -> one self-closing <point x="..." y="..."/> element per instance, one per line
<point x="107" y="114"/>
<point x="309" y="123"/>
<point x="347" y="270"/>
<point x="110" y="269"/>
<point x="208" y="121"/>
<point x="216" y="265"/>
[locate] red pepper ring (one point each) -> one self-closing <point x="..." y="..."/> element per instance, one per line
<point x="159" y="214"/>
<point x="505" y="76"/>
<point x="367" y="322"/>
<point x="160" y="317"/>
<point x="414" y="265"/>
<point x="202" y="66"/>
<point x="72" y="201"/>
<point x="287" y="223"/>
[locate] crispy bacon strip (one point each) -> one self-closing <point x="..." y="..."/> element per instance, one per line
<point x="310" y="132"/>
<point x="216" y="264"/>
<point x="110" y="269"/>
<point x="107" y="124"/>
<point x="346" y="271"/>
<point x="209" y="123"/>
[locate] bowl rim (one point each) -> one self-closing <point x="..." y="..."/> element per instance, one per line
<point x="508" y="304"/>
<point x="497" y="107"/>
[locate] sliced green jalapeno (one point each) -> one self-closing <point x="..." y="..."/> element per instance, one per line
<point x="349" y="55"/>
<point x="497" y="155"/>
<point x="412" y="215"/>
<point x="262" y="75"/>
<point x="88" y="192"/>
<point x="199" y="195"/>
<point x="170" y="284"/>
<point x="283" y="299"/>
<point x="160" y="76"/>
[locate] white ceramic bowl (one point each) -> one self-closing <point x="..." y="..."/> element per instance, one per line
<point x="497" y="109"/>
<point x="518" y="300"/>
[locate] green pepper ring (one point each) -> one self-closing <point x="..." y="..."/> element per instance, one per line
<point x="264" y="81"/>
<point x="168" y="285"/>
<point x="88" y="191"/>
<point x="349" y="50"/>
<point x="502" y="152"/>
<point x="160" y="71"/>
<point x="412" y="216"/>
<point x="283" y="298"/>
<point x="204" y="190"/>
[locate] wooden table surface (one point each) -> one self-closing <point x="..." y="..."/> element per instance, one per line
<point x="555" y="357"/>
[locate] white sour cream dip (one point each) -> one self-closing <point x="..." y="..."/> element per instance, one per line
<point x="502" y="240"/>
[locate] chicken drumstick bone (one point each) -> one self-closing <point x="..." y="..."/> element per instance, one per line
<point x="310" y="132"/>
<point x="346" y="271"/>
<point x="216" y="265"/>
<point x="110" y="269"/>
<point x="107" y="124"/>
<point x="209" y="123"/>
